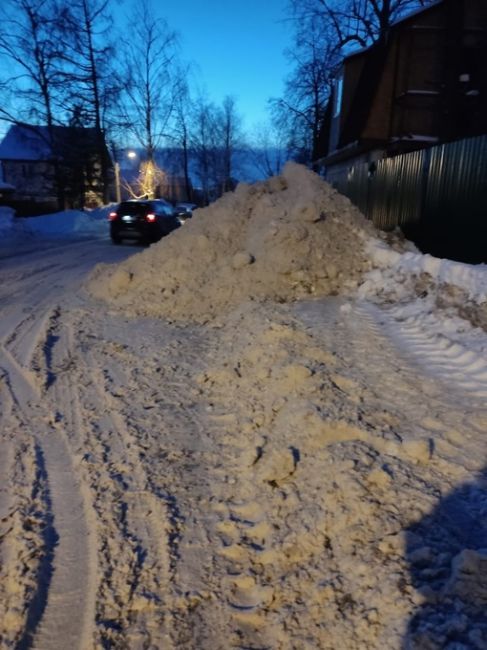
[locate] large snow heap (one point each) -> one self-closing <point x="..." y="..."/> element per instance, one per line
<point x="290" y="237"/>
<point x="285" y="238"/>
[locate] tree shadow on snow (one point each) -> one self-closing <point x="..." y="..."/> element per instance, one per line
<point x="447" y="554"/>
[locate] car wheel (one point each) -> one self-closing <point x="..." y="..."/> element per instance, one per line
<point x="116" y="240"/>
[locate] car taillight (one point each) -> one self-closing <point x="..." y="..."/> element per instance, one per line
<point x="112" y="216"/>
<point x="150" y="217"/>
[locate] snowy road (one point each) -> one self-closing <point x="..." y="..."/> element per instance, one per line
<point x="39" y="283"/>
<point x="281" y="481"/>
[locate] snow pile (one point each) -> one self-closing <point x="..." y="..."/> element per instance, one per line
<point x="290" y="237"/>
<point x="65" y="223"/>
<point x="418" y="283"/>
<point x="394" y="267"/>
<point x="282" y="239"/>
<point x="6" y="219"/>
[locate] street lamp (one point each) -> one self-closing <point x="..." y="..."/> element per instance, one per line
<point x="118" y="193"/>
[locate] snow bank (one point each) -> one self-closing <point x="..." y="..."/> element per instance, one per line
<point x="393" y="267"/>
<point x="282" y="239"/>
<point x="60" y="224"/>
<point x="420" y="285"/>
<point x="6" y="219"/>
<point x="64" y="223"/>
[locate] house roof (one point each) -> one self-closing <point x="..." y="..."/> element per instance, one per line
<point x="400" y="21"/>
<point x="366" y="89"/>
<point x="34" y="143"/>
<point x="375" y="58"/>
<point x="23" y="143"/>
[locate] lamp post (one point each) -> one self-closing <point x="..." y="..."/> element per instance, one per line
<point x="118" y="184"/>
<point x="118" y="194"/>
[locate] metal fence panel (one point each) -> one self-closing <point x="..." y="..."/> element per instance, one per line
<point x="457" y="182"/>
<point x="438" y="185"/>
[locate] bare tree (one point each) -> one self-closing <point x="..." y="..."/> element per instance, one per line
<point x="229" y="132"/>
<point x="204" y="145"/>
<point x="29" y="45"/>
<point x="359" y="22"/>
<point x="300" y="112"/>
<point x="89" y="71"/>
<point x="148" y="182"/>
<point x="216" y="135"/>
<point x="33" y="86"/>
<point x="151" y="82"/>
<point x="181" y="131"/>
<point x="268" y="150"/>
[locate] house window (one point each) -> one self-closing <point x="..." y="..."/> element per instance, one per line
<point x="337" y="100"/>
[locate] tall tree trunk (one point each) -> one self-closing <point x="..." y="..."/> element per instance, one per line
<point x="95" y="88"/>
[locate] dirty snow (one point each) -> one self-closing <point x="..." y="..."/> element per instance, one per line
<point x="265" y="431"/>
<point x="285" y="238"/>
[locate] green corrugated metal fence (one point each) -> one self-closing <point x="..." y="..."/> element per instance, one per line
<point x="404" y="188"/>
<point x="437" y="194"/>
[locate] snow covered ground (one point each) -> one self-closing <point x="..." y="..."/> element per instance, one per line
<point x="265" y="431"/>
<point x="58" y="225"/>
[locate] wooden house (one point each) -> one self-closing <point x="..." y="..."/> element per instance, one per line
<point x="426" y="83"/>
<point x="52" y="169"/>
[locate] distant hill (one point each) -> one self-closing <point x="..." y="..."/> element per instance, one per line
<point x="248" y="165"/>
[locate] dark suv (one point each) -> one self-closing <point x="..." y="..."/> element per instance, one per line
<point x="147" y="220"/>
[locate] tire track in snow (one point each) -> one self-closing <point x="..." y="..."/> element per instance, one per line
<point x="435" y="353"/>
<point x="62" y="612"/>
<point x="5" y="498"/>
<point x="41" y="492"/>
<point x="21" y="382"/>
<point x="393" y="372"/>
<point x="134" y="521"/>
<point x="142" y="523"/>
<point x="56" y="617"/>
<point x="26" y="335"/>
<point x="69" y="612"/>
<point x="64" y="623"/>
<point x="25" y="528"/>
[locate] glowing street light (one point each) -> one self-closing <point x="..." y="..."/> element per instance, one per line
<point x="132" y="155"/>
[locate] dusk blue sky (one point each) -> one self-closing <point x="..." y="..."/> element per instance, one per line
<point x="237" y="48"/>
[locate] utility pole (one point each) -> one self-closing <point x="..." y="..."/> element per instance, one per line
<point x="117" y="182"/>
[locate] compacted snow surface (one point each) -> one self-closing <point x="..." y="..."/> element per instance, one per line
<point x="265" y="431"/>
